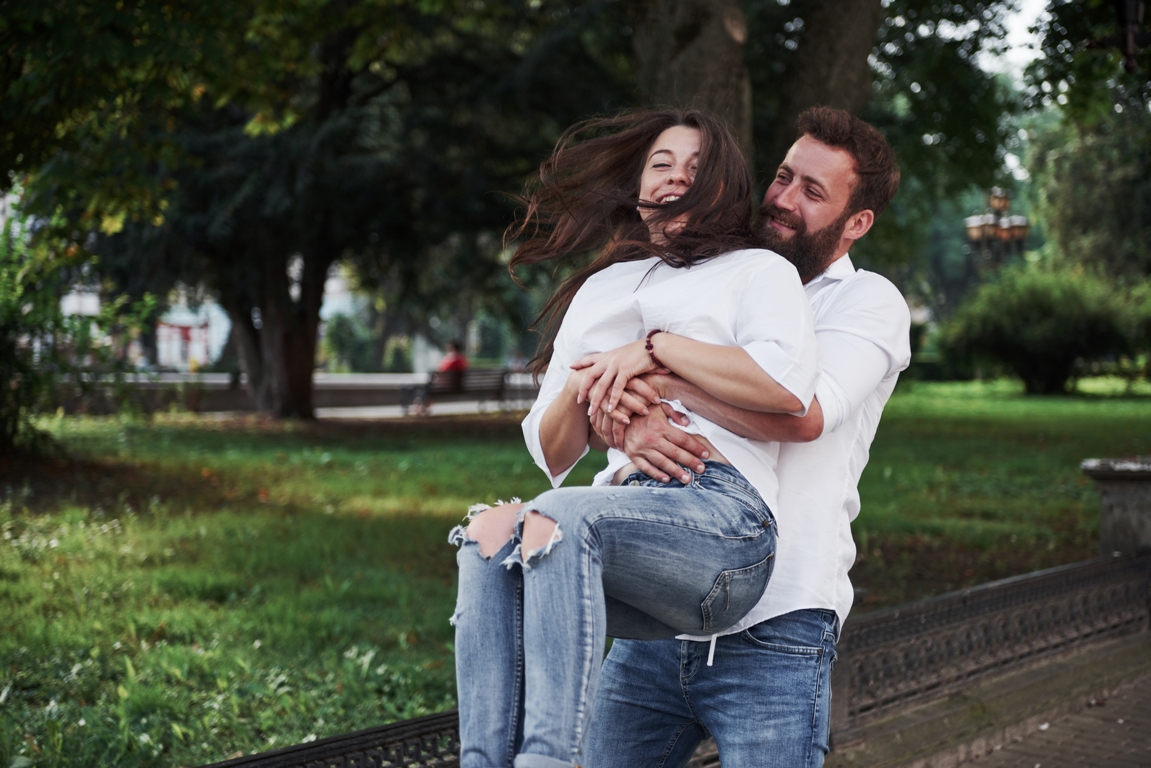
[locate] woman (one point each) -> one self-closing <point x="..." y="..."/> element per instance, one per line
<point x="665" y="197"/>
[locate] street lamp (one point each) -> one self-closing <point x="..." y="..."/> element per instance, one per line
<point x="994" y="233"/>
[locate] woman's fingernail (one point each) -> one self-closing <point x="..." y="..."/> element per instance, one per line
<point x="685" y="479"/>
<point x="643" y="411"/>
<point x="705" y="454"/>
<point x="626" y="420"/>
<point x="699" y="468"/>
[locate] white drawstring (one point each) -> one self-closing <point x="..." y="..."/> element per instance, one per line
<point x="711" y="650"/>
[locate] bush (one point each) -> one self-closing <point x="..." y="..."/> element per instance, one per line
<point x="350" y="346"/>
<point x="1039" y="320"/>
<point x="44" y="352"/>
<point x="32" y="329"/>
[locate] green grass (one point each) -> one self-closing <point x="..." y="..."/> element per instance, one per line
<point x="969" y="482"/>
<point x="183" y="590"/>
<point x="193" y="589"/>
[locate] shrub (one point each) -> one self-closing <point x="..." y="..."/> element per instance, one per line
<point x="1039" y="320"/>
<point x="32" y="329"/>
<point x="349" y="345"/>
<point x="44" y="352"/>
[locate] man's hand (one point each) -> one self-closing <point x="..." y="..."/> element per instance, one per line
<point x="659" y="449"/>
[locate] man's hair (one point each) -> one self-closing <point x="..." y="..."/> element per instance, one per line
<point x="875" y="162"/>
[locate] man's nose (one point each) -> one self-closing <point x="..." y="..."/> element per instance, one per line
<point x="785" y="199"/>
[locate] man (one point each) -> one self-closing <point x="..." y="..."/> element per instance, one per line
<point x="763" y="689"/>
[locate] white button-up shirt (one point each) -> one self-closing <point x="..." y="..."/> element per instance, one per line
<point x="751" y="298"/>
<point x="862" y="329"/>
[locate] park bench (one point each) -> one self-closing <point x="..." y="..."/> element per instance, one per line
<point x="480" y="384"/>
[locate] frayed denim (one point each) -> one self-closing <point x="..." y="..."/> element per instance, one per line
<point x="642" y="560"/>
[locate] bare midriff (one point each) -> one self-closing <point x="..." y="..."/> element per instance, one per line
<point x="712" y="455"/>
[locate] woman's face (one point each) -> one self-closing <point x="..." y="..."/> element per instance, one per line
<point x="668" y="172"/>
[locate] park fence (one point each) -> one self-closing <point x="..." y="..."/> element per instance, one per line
<point x="889" y="660"/>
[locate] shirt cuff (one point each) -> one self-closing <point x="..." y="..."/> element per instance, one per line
<point x="786" y="371"/>
<point x="834" y="402"/>
<point x="531" y="429"/>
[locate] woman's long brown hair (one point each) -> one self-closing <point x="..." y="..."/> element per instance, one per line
<point x="586" y="199"/>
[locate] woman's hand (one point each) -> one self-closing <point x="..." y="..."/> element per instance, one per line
<point x="607" y="375"/>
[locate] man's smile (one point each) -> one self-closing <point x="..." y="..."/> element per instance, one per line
<point x="783" y="224"/>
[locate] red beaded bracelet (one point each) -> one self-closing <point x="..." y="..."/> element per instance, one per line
<point x="651" y="349"/>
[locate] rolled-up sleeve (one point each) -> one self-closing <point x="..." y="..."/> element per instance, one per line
<point x="866" y="340"/>
<point x="775" y="328"/>
<point x="550" y="388"/>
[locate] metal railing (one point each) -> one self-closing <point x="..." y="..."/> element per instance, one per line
<point x="893" y="658"/>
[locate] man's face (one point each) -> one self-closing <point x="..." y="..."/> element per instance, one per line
<point x="805" y="209"/>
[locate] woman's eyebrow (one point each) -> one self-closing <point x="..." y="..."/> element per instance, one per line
<point x="658" y="151"/>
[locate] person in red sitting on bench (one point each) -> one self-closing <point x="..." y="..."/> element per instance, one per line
<point x="454" y="364"/>
<point x="449" y="373"/>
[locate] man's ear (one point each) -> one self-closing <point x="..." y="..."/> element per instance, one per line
<point x="858" y="225"/>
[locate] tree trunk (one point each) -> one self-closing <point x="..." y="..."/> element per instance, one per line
<point x="689" y="53"/>
<point x="247" y="338"/>
<point x="830" y="67"/>
<point x="279" y="355"/>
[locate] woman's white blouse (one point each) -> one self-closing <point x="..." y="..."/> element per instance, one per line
<point x="751" y="298"/>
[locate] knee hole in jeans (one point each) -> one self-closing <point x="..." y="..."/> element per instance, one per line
<point x="540" y="534"/>
<point x="492" y="528"/>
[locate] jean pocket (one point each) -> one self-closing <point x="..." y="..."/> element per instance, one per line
<point x="735" y="593"/>
<point x="805" y="632"/>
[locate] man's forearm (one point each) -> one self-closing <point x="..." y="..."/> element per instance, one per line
<point x="755" y="425"/>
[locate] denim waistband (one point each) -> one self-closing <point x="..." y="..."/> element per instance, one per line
<point x="717" y="476"/>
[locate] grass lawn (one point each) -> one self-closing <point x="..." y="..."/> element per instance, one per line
<point x="183" y="590"/>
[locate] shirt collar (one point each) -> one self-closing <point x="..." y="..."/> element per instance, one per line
<point x="840" y="269"/>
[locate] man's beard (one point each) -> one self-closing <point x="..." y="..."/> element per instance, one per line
<point x="809" y="252"/>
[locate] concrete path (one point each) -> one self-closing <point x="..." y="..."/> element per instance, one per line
<point x="1113" y="733"/>
<point x="374" y="412"/>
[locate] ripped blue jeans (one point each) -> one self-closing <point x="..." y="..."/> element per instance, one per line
<point x="641" y="560"/>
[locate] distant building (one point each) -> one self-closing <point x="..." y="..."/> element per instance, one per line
<point x="191" y="335"/>
<point x="189" y="339"/>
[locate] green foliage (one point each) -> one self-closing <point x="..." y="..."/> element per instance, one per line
<point x="30" y="325"/>
<point x="1038" y="320"/>
<point x="46" y="355"/>
<point x="943" y="114"/>
<point x="1081" y="69"/>
<point x="350" y="346"/>
<point x="1095" y="190"/>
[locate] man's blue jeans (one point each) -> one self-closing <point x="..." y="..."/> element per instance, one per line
<point x="642" y="559"/>
<point x="765" y="699"/>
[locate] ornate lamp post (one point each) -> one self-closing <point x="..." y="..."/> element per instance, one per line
<point x="995" y="234"/>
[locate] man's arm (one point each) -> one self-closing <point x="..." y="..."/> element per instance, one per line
<point x="860" y="344"/>
<point x="755" y="425"/>
<point x="662" y="450"/>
